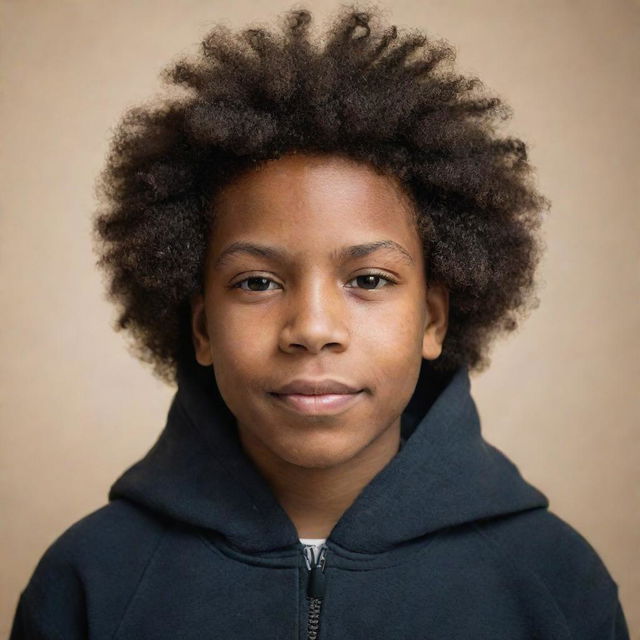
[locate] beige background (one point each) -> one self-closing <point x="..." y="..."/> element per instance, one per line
<point x="561" y="397"/>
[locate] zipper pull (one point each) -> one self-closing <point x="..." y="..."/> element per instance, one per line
<point x="316" y="583"/>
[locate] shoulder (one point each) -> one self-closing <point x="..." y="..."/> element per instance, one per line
<point x="96" y="562"/>
<point x="117" y="537"/>
<point x="571" y="570"/>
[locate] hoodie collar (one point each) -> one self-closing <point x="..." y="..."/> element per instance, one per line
<point x="445" y="475"/>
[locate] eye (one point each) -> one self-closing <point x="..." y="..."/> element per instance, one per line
<point x="256" y="282"/>
<point x="261" y="283"/>
<point x="370" y="279"/>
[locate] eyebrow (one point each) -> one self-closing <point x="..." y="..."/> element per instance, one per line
<point x="282" y="255"/>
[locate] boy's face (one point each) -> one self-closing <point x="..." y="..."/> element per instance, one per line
<point x="316" y="313"/>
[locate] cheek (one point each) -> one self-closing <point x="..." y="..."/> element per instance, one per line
<point x="390" y="345"/>
<point x="238" y="347"/>
<point x="393" y="329"/>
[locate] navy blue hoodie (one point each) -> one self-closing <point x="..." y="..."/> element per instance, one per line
<point x="446" y="542"/>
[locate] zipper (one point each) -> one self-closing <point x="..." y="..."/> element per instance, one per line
<point x="315" y="588"/>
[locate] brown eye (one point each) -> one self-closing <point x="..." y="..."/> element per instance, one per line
<point x="369" y="281"/>
<point x="255" y="283"/>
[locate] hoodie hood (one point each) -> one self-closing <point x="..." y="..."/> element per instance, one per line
<point x="445" y="474"/>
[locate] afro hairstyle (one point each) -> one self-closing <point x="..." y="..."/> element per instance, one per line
<point x="366" y="91"/>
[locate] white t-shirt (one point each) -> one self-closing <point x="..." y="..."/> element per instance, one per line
<point x="313" y="541"/>
<point x="312" y="548"/>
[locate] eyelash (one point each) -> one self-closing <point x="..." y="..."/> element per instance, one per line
<point x="390" y="281"/>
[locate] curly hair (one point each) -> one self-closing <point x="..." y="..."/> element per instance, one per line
<point x="391" y="100"/>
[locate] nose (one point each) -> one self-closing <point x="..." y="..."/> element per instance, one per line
<point x="315" y="317"/>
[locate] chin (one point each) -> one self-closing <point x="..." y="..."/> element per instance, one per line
<point x="322" y="454"/>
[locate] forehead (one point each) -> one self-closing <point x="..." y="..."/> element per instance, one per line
<point x="322" y="197"/>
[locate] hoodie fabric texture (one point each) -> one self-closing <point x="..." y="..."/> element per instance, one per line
<point x="446" y="542"/>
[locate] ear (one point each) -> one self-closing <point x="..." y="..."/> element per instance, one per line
<point x="199" y="331"/>
<point x="436" y="322"/>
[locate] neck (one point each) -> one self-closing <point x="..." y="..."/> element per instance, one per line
<point x="315" y="498"/>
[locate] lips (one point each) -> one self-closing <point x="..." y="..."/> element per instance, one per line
<point x="318" y="397"/>
<point x="316" y="387"/>
<point x="324" y="404"/>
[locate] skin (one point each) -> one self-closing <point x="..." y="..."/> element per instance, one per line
<point x="316" y="317"/>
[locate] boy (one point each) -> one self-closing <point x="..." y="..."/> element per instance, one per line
<point x="318" y="247"/>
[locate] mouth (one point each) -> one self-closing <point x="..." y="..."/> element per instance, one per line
<point x="318" y="404"/>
